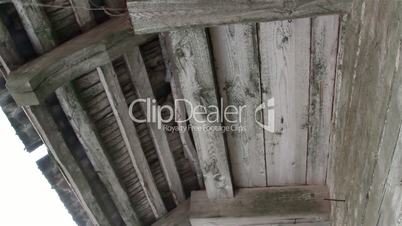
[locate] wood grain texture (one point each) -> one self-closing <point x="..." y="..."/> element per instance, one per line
<point x="83" y="16"/>
<point x="180" y="110"/>
<point x="285" y="51"/>
<point x="177" y="217"/>
<point x="86" y="133"/>
<point x="365" y="120"/>
<point x="386" y="178"/>
<point x="191" y="60"/>
<point x="34" y="81"/>
<point x="140" y="79"/>
<point x="119" y="106"/>
<point x="324" y="41"/>
<point x="158" y="15"/>
<point x="9" y="57"/>
<point x="36" y="25"/>
<point x="235" y="50"/>
<point x="303" y="205"/>
<point x="52" y="137"/>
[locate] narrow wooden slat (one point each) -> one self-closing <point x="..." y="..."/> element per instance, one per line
<point x="120" y="109"/>
<point x="36" y="25"/>
<point x="180" y="216"/>
<point x="159" y="15"/>
<point x="192" y="61"/>
<point x="285" y="53"/>
<point x="324" y="48"/>
<point x="237" y="68"/>
<point x="140" y="79"/>
<point x="95" y="151"/>
<point x="52" y="137"/>
<point x="303" y="205"/>
<point x="83" y="16"/>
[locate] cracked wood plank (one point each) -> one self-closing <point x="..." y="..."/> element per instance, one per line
<point x="192" y="62"/>
<point x="285" y="54"/>
<point x="235" y="50"/>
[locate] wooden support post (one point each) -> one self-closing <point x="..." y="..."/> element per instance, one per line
<point x="285" y="54"/>
<point x="83" y="16"/>
<point x="322" y="77"/>
<point x="285" y="206"/>
<point x="192" y="61"/>
<point x="95" y="151"/>
<point x="120" y="109"/>
<point x="52" y="137"/>
<point x="36" y="25"/>
<point x="140" y="79"/>
<point x="237" y="67"/>
<point x="160" y="15"/>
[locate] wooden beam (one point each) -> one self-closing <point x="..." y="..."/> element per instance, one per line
<point x="10" y="58"/>
<point x="86" y="133"/>
<point x="83" y="16"/>
<point x="304" y="205"/>
<point x="191" y="60"/>
<point x="120" y="109"/>
<point x="180" y="216"/>
<point x="36" y="25"/>
<point x="188" y="145"/>
<point x="180" y="111"/>
<point x="324" y="40"/>
<point x="235" y="51"/>
<point x="47" y="128"/>
<point x="158" y="15"/>
<point x="140" y="79"/>
<point x="285" y="54"/>
<point x="34" y="81"/>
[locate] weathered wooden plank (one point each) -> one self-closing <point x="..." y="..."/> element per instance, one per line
<point x="391" y="205"/>
<point x="236" y="61"/>
<point x="304" y="205"/>
<point x="386" y="178"/>
<point x="180" y="112"/>
<point x="36" y="25"/>
<point x="191" y="60"/>
<point x="52" y="137"/>
<point x="158" y="15"/>
<point x="177" y="217"/>
<point x="285" y="51"/>
<point x="363" y="123"/>
<point x="324" y="41"/>
<point x="140" y="79"/>
<point x="95" y="151"/>
<point x="83" y="16"/>
<point x="9" y="56"/>
<point x="35" y="80"/>
<point x="118" y="103"/>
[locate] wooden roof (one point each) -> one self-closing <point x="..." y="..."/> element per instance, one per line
<point x="82" y="69"/>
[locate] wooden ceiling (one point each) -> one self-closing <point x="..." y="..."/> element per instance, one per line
<point x="85" y="69"/>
